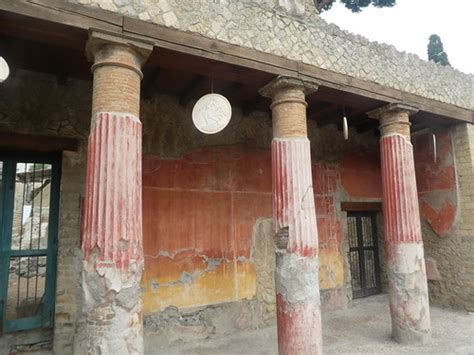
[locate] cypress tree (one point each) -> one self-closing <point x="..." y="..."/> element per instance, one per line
<point x="436" y="51"/>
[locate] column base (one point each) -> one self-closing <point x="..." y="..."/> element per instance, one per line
<point x="298" y="304"/>
<point x="408" y="293"/>
<point x="113" y="308"/>
<point x="409" y="336"/>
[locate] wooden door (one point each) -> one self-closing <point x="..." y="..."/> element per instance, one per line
<point x="363" y="254"/>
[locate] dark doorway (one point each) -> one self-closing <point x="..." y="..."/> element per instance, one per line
<point x="363" y="254"/>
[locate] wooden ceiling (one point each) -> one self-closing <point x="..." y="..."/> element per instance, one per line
<point x="46" y="47"/>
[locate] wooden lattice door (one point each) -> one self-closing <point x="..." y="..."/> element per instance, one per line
<point x="363" y="254"/>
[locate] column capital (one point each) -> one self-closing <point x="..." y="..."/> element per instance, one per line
<point x="281" y="83"/>
<point x="98" y="39"/>
<point x="117" y="62"/>
<point x="394" y="119"/>
<point x="392" y="108"/>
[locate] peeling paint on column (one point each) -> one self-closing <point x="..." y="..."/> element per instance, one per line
<point x="408" y="290"/>
<point x="298" y="304"/>
<point x="293" y="197"/>
<point x="114" y="191"/>
<point x="112" y="236"/>
<point x="401" y="210"/>
<point x="296" y="275"/>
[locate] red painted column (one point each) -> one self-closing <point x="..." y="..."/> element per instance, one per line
<point x="404" y="254"/>
<point x="112" y="225"/>
<point x="294" y="215"/>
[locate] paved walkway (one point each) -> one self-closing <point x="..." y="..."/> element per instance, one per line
<point x="362" y="329"/>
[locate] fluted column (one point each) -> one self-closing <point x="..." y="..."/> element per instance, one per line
<point x="294" y="216"/>
<point x="404" y="255"/>
<point x="112" y="223"/>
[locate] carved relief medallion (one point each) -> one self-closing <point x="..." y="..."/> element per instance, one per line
<point x="211" y="113"/>
<point x="4" y="70"/>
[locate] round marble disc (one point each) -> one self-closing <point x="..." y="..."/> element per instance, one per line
<point x="212" y="113"/>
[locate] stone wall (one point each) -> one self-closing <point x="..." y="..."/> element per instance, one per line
<point x="457" y="285"/>
<point x="292" y="29"/>
<point x="68" y="292"/>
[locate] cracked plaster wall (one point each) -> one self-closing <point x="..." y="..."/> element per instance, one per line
<point x="292" y="29"/>
<point x="217" y="187"/>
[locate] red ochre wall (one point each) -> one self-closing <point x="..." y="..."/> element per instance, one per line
<point x="198" y="216"/>
<point x="199" y="212"/>
<point x="436" y="181"/>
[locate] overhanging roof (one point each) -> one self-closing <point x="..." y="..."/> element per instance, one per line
<point x="62" y="27"/>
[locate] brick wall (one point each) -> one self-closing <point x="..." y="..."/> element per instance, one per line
<point x="68" y="292"/>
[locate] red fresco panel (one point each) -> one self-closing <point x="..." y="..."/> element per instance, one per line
<point x="361" y="174"/>
<point x="247" y="208"/>
<point x="193" y="202"/>
<point x="431" y="175"/>
<point x="185" y="174"/>
<point x="434" y="178"/>
<point x="325" y="177"/>
<point x="442" y="219"/>
<point x="252" y="171"/>
<point x="175" y="221"/>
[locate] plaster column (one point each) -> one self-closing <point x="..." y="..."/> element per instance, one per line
<point x="294" y="218"/>
<point x="112" y="220"/>
<point x="404" y="255"/>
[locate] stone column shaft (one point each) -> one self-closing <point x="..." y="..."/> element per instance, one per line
<point x="404" y="254"/>
<point x="294" y="218"/>
<point x="112" y="226"/>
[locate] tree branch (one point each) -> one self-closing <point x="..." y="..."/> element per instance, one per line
<point x="320" y="4"/>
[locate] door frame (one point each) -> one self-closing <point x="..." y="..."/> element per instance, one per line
<point x="7" y="190"/>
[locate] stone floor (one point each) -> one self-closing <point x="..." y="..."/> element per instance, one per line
<point x="362" y="329"/>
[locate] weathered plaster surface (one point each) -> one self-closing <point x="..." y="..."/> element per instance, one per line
<point x="298" y="303"/>
<point x="206" y="258"/>
<point x="436" y="181"/>
<point x="293" y="30"/>
<point x="264" y="257"/>
<point x="404" y="257"/>
<point x="408" y="294"/>
<point x="113" y="308"/>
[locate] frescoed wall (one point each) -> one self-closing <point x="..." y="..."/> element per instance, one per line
<point x="199" y="214"/>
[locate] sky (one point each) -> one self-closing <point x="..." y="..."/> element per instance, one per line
<point x="409" y="24"/>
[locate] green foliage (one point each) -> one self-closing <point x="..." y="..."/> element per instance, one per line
<point x="436" y="51"/>
<point x="354" y="5"/>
